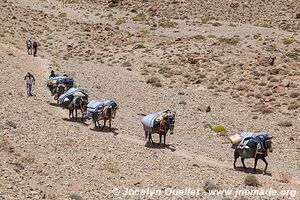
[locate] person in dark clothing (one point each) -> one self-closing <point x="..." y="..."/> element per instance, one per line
<point x="29" y="81"/>
<point x="29" y="46"/>
<point x="34" y="47"/>
<point x="52" y="74"/>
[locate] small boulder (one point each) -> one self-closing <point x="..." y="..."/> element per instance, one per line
<point x="209" y="186"/>
<point x="266" y="60"/>
<point x="204" y="108"/>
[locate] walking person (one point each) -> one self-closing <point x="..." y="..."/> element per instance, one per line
<point x="52" y="74"/>
<point x="34" y="47"/>
<point x="29" y="81"/>
<point x="29" y="46"/>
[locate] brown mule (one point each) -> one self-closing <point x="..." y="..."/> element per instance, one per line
<point x="105" y="113"/>
<point x="165" y="125"/>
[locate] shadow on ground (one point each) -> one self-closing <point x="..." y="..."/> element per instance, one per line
<point x="251" y="171"/>
<point x="161" y="146"/>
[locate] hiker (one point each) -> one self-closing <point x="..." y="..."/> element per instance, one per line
<point x="34" y="47"/>
<point x="29" y="46"/>
<point x="52" y="74"/>
<point x="29" y="81"/>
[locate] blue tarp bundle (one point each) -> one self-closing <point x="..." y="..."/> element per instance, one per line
<point x="66" y="81"/>
<point x="70" y="92"/>
<point x="93" y="106"/>
<point x="247" y="134"/>
<point x="148" y="120"/>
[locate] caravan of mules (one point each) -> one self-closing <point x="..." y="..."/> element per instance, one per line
<point x="249" y="145"/>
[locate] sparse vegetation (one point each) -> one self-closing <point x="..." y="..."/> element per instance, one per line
<point x="166" y="23"/>
<point x="285" y="123"/>
<point x="62" y="14"/>
<point x="288" y="41"/>
<point x="216" y="24"/>
<point x="112" y="168"/>
<point x="140" y="17"/>
<point x="139" y="46"/>
<point x="126" y="64"/>
<point x="265" y="25"/>
<point x="232" y="24"/>
<point x="11" y="124"/>
<point x="251" y="180"/>
<point x="154" y="81"/>
<point x="120" y="21"/>
<point x="199" y="37"/>
<point x="231" y="41"/>
<point x="285" y="177"/>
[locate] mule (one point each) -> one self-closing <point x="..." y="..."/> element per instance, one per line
<point x="106" y="113"/>
<point x="162" y="129"/>
<point x="261" y="154"/>
<point x="80" y="103"/>
<point x="59" y="90"/>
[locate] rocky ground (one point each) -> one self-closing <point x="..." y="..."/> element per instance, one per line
<point x="240" y="57"/>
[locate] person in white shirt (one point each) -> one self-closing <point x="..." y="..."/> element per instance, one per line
<point x="29" y="46"/>
<point x="29" y="81"/>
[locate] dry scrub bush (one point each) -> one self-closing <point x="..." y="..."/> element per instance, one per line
<point x="251" y="180"/>
<point x="285" y="177"/>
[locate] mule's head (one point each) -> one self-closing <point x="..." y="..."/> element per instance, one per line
<point x="171" y="122"/>
<point x="268" y="144"/>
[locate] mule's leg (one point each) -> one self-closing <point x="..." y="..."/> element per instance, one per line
<point x="110" y="123"/>
<point x="104" y="123"/>
<point x="255" y="164"/>
<point x="264" y="159"/>
<point x="76" y="111"/>
<point x="165" y="135"/>
<point x="82" y="114"/>
<point x="243" y="161"/>
<point x="150" y="138"/>
<point x="236" y="155"/>
<point x="160" y="135"/>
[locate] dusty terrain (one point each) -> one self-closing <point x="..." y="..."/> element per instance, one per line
<point x="148" y="56"/>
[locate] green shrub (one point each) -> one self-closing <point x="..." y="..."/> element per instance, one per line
<point x="63" y="14"/>
<point x="285" y="123"/>
<point x="140" y="17"/>
<point x="126" y="64"/>
<point x="199" y="37"/>
<point x="166" y="23"/>
<point x="154" y="81"/>
<point x="216" y="24"/>
<point x="231" y="41"/>
<point x="251" y="180"/>
<point x="139" y="46"/>
<point x="232" y="24"/>
<point x="219" y="128"/>
<point x="120" y="21"/>
<point x="265" y="25"/>
<point x="288" y="41"/>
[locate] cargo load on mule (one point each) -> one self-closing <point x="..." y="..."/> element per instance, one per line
<point x="98" y="106"/>
<point x="69" y="98"/>
<point x="251" y="144"/>
<point x="54" y="82"/>
<point x="153" y="120"/>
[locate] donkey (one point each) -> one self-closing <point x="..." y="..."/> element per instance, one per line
<point x="59" y="90"/>
<point x="105" y="113"/>
<point x="262" y="153"/>
<point x="79" y="103"/>
<point x="165" y="125"/>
